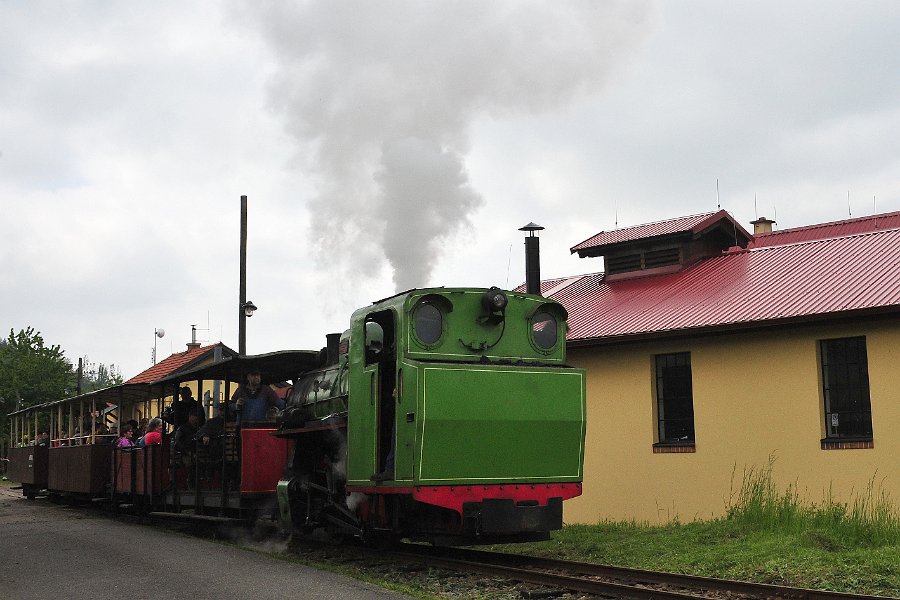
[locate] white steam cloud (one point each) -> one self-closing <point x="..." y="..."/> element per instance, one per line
<point x="382" y="95"/>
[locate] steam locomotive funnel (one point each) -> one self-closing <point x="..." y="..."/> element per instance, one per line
<point x="332" y="343"/>
<point x="532" y="259"/>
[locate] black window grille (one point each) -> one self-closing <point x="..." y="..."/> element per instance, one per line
<point x="845" y="380"/>
<point x="623" y="263"/>
<point x="675" y="398"/>
<point x="643" y="259"/>
<point x="661" y="258"/>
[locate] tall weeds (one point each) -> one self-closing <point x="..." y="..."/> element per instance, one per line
<point x="869" y="518"/>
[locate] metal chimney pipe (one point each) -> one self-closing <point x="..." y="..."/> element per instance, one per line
<point x="194" y="343"/>
<point x="532" y="259"/>
<point x="333" y="341"/>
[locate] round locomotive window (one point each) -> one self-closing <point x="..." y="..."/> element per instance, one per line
<point x="544" y="330"/>
<point x="428" y="323"/>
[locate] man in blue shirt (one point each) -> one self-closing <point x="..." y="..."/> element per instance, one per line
<point x="253" y="400"/>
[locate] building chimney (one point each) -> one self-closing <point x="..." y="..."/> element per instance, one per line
<point x="532" y="259"/>
<point x="193" y="343"/>
<point x="762" y="226"/>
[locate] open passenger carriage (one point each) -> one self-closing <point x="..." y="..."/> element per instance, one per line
<point x="73" y="455"/>
<point x="233" y="476"/>
<point x="27" y="456"/>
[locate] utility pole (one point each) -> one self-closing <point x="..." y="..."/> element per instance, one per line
<point x="242" y="300"/>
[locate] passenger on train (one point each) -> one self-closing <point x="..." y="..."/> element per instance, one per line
<point x="253" y="399"/>
<point x="91" y="419"/>
<point x="211" y="437"/>
<point x="154" y="433"/>
<point x="183" y="406"/>
<point x="126" y="437"/>
<point x="186" y="436"/>
<point x="186" y="444"/>
<point x="103" y="435"/>
<point x="214" y="428"/>
<point x="43" y="439"/>
<point x="141" y="428"/>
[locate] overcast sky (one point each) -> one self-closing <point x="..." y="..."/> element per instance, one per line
<point x="386" y="145"/>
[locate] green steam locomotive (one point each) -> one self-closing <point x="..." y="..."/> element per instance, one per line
<point x="446" y="415"/>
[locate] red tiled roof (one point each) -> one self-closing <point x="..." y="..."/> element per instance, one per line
<point x="828" y="230"/>
<point x="174" y="362"/>
<point x="803" y="280"/>
<point x="693" y="224"/>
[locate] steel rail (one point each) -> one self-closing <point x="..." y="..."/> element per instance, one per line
<point x="556" y="580"/>
<point x="517" y="566"/>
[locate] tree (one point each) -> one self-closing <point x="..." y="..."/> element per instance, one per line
<point x="31" y="373"/>
<point x="98" y="376"/>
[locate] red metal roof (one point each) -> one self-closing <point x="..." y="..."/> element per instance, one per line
<point x="811" y="279"/>
<point x="549" y="286"/>
<point x="175" y="362"/>
<point x="693" y="224"/>
<point x="828" y="230"/>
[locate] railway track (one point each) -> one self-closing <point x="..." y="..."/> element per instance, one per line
<point x="604" y="580"/>
<point x="555" y="576"/>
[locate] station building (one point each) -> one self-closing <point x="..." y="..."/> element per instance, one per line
<point x="711" y="351"/>
<point x="195" y="356"/>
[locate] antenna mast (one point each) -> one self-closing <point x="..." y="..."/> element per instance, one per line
<point x="508" y="262"/>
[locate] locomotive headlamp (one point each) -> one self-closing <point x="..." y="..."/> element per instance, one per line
<point x="494" y="301"/>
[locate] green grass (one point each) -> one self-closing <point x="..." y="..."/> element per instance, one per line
<point x="767" y="535"/>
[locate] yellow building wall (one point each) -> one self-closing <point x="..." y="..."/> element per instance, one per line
<point x="208" y="386"/>
<point x="756" y="395"/>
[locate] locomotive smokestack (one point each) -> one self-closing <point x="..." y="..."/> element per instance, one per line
<point x="332" y="343"/>
<point x="532" y="259"/>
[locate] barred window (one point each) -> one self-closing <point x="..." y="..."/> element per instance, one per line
<point x="845" y="379"/>
<point x="674" y="398"/>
